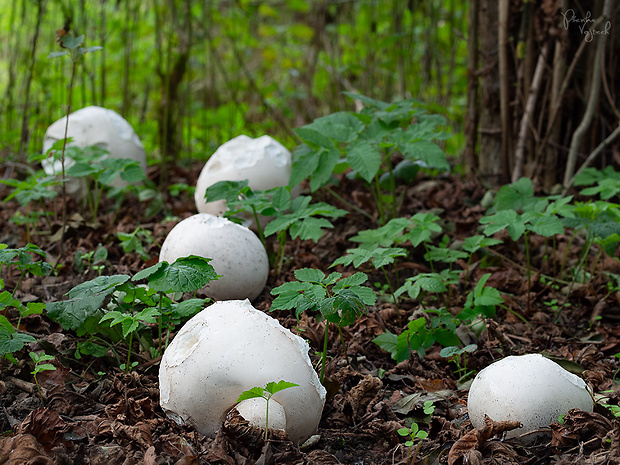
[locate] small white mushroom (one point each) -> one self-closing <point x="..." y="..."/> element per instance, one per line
<point x="237" y="254"/>
<point x="528" y="388"/>
<point x="231" y="347"/>
<point x="263" y="161"/>
<point x="94" y="126"/>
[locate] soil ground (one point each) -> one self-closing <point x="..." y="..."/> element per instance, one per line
<point x="95" y="414"/>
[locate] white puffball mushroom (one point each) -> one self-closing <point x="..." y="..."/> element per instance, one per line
<point x="231" y="347"/>
<point x="263" y="161"/>
<point x="94" y="126"/>
<point x="528" y="388"/>
<point x="237" y="254"/>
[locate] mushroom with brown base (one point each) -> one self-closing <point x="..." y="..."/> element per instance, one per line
<point x="231" y="347"/>
<point x="528" y="388"/>
<point x="237" y="254"/>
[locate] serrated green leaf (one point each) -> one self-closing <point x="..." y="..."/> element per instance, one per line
<point x="364" y="159"/>
<point x="353" y="280"/>
<point x="251" y="393"/>
<point x="311" y="275"/>
<point x="281" y="385"/>
<point x="186" y="274"/>
<point x="310" y="228"/>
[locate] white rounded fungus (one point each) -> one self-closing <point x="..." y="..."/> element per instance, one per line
<point x="263" y="161"/>
<point x="528" y="388"/>
<point x="237" y="254"/>
<point x="254" y="411"/>
<point x="94" y="126"/>
<point x="231" y="347"/>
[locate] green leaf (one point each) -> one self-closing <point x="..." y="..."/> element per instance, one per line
<point x="427" y="152"/>
<point x="85" y="300"/>
<point x="251" y="394"/>
<point x="313" y="138"/>
<point x="272" y="387"/>
<point x="364" y="159"/>
<point x="186" y="274"/>
<point x="353" y="280"/>
<point x="310" y="275"/>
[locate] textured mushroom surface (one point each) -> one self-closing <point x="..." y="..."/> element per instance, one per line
<point x="529" y="388"/>
<point x="228" y="348"/>
<point x="95" y="126"/>
<point x="237" y="254"/>
<point x="263" y="161"/>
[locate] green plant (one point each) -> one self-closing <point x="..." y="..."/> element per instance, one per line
<point x="136" y="241"/>
<point x="72" y="46"/>
<point x="415" y="434"/>
<point x="439" y="325"/>
<point x="133" y="306"/>
<point x="39" y="366"/>
<point x="94" y="260"/>
<point x="296" y="217"/>
<point x="266" y="393"/>
<point x="458" y="355"/>
<point x="12" y="338"/>
<point x="368" y="144"/>
<point x="34" y="189"/>
<point x="339" y="300"/>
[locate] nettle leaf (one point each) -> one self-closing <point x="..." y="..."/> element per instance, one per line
<point x="328" y="159"/>
<point x="383" y="236"/>
<point x="84" y="301"/>
<point x="504" y="219"/>
<point x="227" y="190"/>
<point x="473" y="243"/>
<point x="343" y="308"/>
<point x="305" y="163"/>
<point x="364" y="159"/>
<point x="313" y="138"/>
<point x="310" y="228"/>
<point x="423" y="225"/>
<point x="188" y="308"/>
<point x="340" y="126"/>
<point x="427" y="152"/>
<point x="310" y="275"/>
<point x="544" y="225"/>
<point x="353" y="280"/>
<point x="379" y="256"/>
<point x="429" y="282"/>
<point x="186" y="274"/>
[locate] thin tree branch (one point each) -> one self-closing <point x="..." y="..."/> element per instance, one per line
<point x="526" y="119"/>
<point x="595" y="153"/>
<point x="592" y="102"/>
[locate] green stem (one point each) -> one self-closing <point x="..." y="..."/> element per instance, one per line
<point x="128" y="364"/>
<point x="347" y="203"/>
<point x="529" y="271"/>
<point x="267" y="418"/>
<point x="324" y="355"/>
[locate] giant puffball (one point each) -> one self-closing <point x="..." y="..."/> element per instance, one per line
<point x="94" y="126"/>
<point x="528" y="388"/>
<point x="263" y="161"/>
<point x="237" y="254"/>
<point x="230" y="347"/>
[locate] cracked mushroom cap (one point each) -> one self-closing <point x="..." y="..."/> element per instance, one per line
<point x="263" y="161"/>
<point x="228" y="348"/>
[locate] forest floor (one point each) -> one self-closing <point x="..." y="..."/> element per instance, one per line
<point x="95" y="414"/>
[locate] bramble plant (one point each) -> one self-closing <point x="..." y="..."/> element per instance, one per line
<point x="133" y="306"/>
<point x="266" y="393"/>
<point x="367" y="143"/>
<point x="39" y="366"/>
<point x="339" y="300"/>
<point x="415" y="434"/>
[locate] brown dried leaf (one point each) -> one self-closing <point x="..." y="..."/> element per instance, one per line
<point x="45" y="425"/>
<point x="22" y="449"/>
<point x="474" y="439"/>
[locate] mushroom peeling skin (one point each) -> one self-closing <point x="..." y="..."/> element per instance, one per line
<point x="237" y="254"/>
<point x="263" y="161"/>
<point x="96" y="126"/>
<point x="231" y="347"/>
<point x="528" y="388"/>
